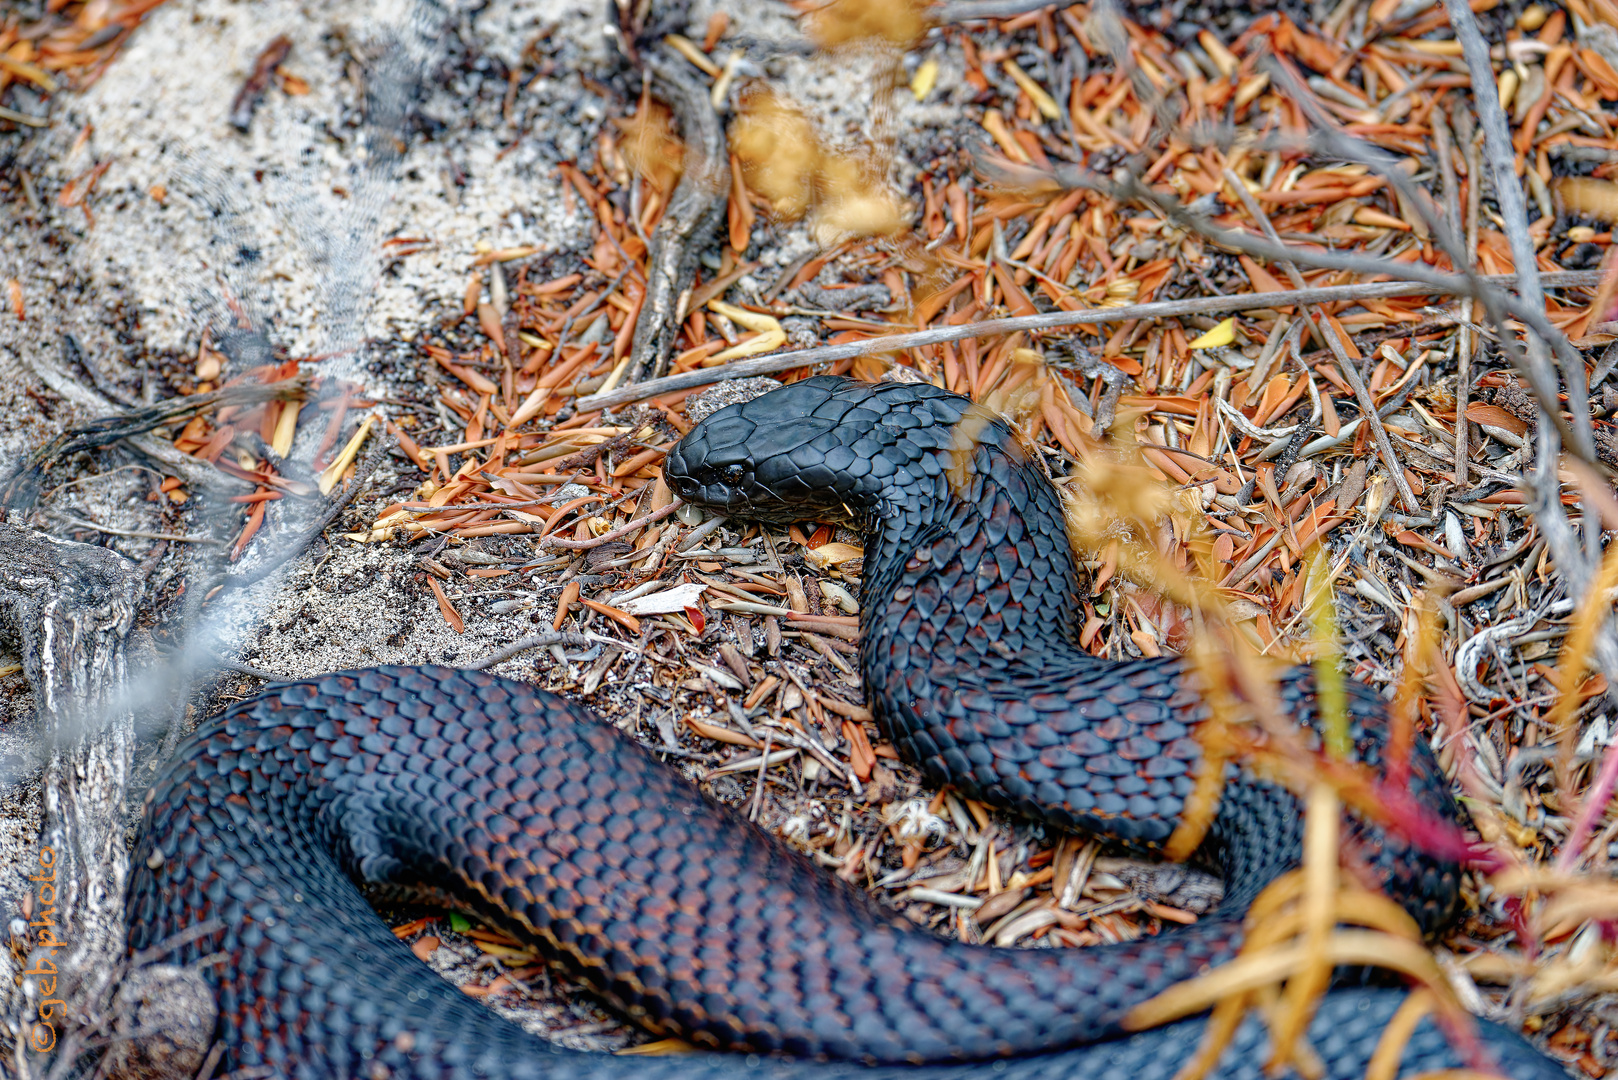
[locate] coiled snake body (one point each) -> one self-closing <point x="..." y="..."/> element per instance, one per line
<point x="523" y="808"/>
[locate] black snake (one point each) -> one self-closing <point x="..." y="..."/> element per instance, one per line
<point x="523" y="808"/>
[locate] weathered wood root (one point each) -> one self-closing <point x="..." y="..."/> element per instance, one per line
<point x="694" y="212"/>
<point x="71" y="605"/>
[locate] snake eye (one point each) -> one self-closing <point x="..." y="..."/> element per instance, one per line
<point x="734" y="473"/>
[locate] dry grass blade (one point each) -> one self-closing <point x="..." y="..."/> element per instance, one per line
<point x="1303" y="990"/>
<point x="1273" y="966"/>
<point x="1592" y="614"/>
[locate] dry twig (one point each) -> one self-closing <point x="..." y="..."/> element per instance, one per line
<point x="1163" y="309"/>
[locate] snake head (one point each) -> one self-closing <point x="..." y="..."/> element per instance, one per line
<point x="824" y="449"/>
<point x="765" y="459"/>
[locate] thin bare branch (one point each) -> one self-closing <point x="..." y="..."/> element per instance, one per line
<point x="1541" y="376"/>
<point x="532" y="641"/>
<point x="969" y="10"/>
<point x="1497" y="139"/>
<point x="1576" y="561"/>
<point x="1545" y="485"/>
<point x="1449" y="284"/>
<point x="694" y="211"/>
<point x="1328" y="138"/>
<point x="1443" y="150"/>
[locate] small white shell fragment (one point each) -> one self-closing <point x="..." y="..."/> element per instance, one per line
<point x="723" y="679"/>
<point x="666" y="602"/>
<point x="1595" y="735"/>
<point x="836" y="594"/>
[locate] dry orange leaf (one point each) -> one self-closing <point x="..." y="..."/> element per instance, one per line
<point x="1262" y="279"/>
<point x="1328" y="416"/>
<point x="618" y="615"/>
<point x="1410" y="538"/>
<point x="721" y="734"/>
<point x="569" y="597"/>
<point x="451" y="616"/>
<point x="1495" y="416"/>
<point x="862" y="758"/>
<point x="739" y="208"/>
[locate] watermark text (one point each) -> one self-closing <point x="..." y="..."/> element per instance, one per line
<point x="42" y="959"/>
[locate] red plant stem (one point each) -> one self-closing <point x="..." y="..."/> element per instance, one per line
<point x="1595" y="801"/>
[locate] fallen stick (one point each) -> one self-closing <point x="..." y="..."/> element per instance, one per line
<point x="1056" y="320"/>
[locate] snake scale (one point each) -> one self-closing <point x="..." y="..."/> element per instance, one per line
<point x="495" y="797"/>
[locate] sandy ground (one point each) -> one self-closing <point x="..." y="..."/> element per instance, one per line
<point x="192" y="221"/>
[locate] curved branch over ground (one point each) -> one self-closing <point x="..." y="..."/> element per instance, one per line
<point x="1539" y="373"/>
<point x="1532" y="363"/>
<point x="21" y="488"/>
<point x="1575" y="559"/>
